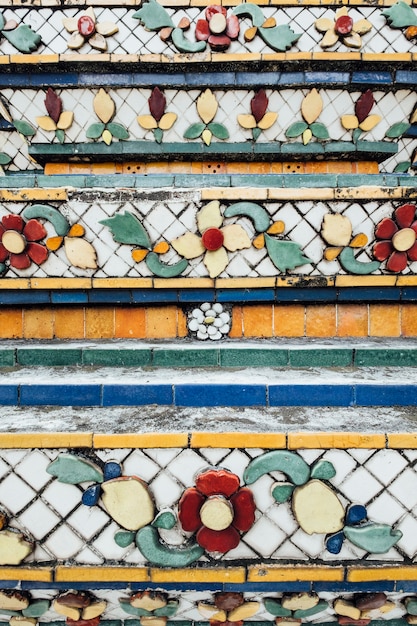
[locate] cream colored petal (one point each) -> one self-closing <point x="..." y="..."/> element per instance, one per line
<point x="167" y="121"/>
<point x="307" y="135"/>
<point x="75" y="41"/>
<point x="207" y="106"/>
<point x="246" y="120"/>
<point x="349" y="122"/>
<point x="324" y="24"/>
<point x="107" y="137"/>
<point x="353" y="41"/>
<point x="94" y="610"/>
<point x="311" y="106"/>
<point x="209" y="216"/>
<point x="336" y="230"/>
<point x="206" y="136"/>
<point x="147" y="122"/>
<point x="98" y="42"/>
<point x="235" y="238"/>
<point x="104" y="106"/>
<point x="80" y="253"/>
<point x="13" y="548"/>
<point x="329" y="39"/>
<point x="67" y="611"/>
<point x="244" y="611"/>
<point x="65" y="120"/>
<point x="70" y="24"/>
<point x="107" y="29"/>
<point x="341" y="11"/>
<point x="90" y="13"/>
<point x="370" y="122"/>
<point x="362" y="27"/>
<point x="211" y="612"/>
<point x="268" y="120"/>
<point x="216" y="261"/>
<point x="189" y="246"/>
<point x="46" y="123"/>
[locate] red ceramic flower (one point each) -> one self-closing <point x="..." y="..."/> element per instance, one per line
<point x="217" y="29"/>
<point x="217" y="508"/>
<point x="18" y="242"/>
<point x="397" y="238"/>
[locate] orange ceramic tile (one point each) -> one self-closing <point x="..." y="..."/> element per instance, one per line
<point x="276" y="168"/>
<point x="134" y="168"/>
<point x="352" y="320"/>
<point x="99" y="323"/>
<point x="182" y="324"/>
<point x="156" y="168"/>
<point x="161" y="322"/>
<point x="214" y="167"/>
<point x="292" y="167"/>
<point x="57" y="168"/>
<point x="257" y="320"/>
<point x="11" y="323"/>
<point x="320" y="320"/>
<point x="38" y="323"/>
<point x="315" y="167"/>
<point x="69" y="323"/>
<point x="179" y="167"/>
<point x="339" y="167"/>
<point x="402" y="440"/>
<point x="409" y="320"/>
<point x="80" y="168"/>
<point x="103" y="168"/>
<point x="289" y="320"/>
<point x="367" y="167"/>
<point x="130" y="322"/>
<point x="237" y="322"/>
<point x="238" y="168"/>
<point x="340" y="440"/>
<point x="384" y="320"/>
<point x="196" y="168"/>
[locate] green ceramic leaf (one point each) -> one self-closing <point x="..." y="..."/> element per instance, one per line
<point x="23" y="38"/>
<point x="2" y="21"/>
<point x="296" y="129"/>
<point x="168" y="610"/>
<point x="126" y="228"/>
<point x="322" y="605"/>
<point x="163" y="270"/>
<point x="289" y="463"/>
<point x="274" y="606"/>
<point x="218" y="130"/>
<point x="157" y="553"/>
<point x="252" y="11"/>
<point x="72" y="470"/>
<point x="60" y="135"/>
<point x="24" y="128"/>
<point x="118" y="131"/>
<point x="132" y="610"/>
<point x="279" y="38"/>
<point x="400" y="15"/>
<point x="353" y="266"/>
<point x="402" y="167"/>
<point x="281" y="492"/>
<point x="95" y="130"/>
<point x="411" y="605"/>
<point x="194" y="131"/>
<point x="36" y="608"/>
<point x="356" y="134"/>
<point x="323" y="469"/>
<point x="397" y="130"/>
<point x="253" y="211"/>
<point x="4" y="158"/>
<point x="374" y="538"/>
<point x="124" y="538"/>
<point x="3" y="268"/>
<point x="153" y="16"/>
<point x="319" y="130"/>
<point x="285" y="255"/>
<point x="49" y="213"/>
<point x="158" y="134"/>
<point x="166" y="520"/>
<point x="185" y="45"/>
<point x="256" y="132"/>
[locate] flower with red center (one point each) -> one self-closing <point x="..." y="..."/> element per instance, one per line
<point x="217" y="29"/>
<point x="217" y="509"/>
<point x="85" y="28"/>
<point x="18" y="242"/>
<point x="342" y="28"/>
<point x="397" y="238"/>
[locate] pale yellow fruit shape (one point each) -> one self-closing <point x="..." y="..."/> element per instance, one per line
<point x="148" y="122"/>
<point x="216" y="513"/>
<point x="347" y="609"/>
<point x="167" y="121"/>
<point x="68" y="611"/>
<point x="128" y="502"/>
<point x="189" y="246"/>
<point x="46" y="123"/>
<point x="207" y="106"/>
<point x="65" y="120"/>
<point x="336" y="230"/>
<point x="70" y="24"/>
<point x="353" y="41"/>
<point x="80" y="253"/>
<point x="244" y="611"/>
<point x="94" y="610"/>
<point x="324" y="24"/>
<point x="317" y="508"/>
<point x="300" y="601"/>
<point x="268" y="120"/>
<point x="307" y="135"/>
<point x="13" y="548"/>
<point x="107" y="137"/>
<point x="311" y="106"/>
<point x="206" y="136"/>
<point x="235" y="238"/>
<point x="246" y="120"/>
<point x="211" y="612"/>
<point x="362" y="27"/>
<point x="209" y="216"/>
<point x="216" y="261"/>
<point x="20" y="620"/>
<point x="75" y="41"/>
<point x="370" y="122"/>
<point x="98" y="42"/>
<point x="107" y="29"/>
<point x="349" y="122"/>
<point x="329" y="39"/>
<point x="150" y="601"/>
<point x="14" y="601"/>
<point x="104" y="106"/>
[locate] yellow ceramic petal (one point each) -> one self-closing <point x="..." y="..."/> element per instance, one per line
<point x="80" y="253"/>
<point x="246" y="120"/>
<point x="341" y="11"/>
<point x="311" y="106"/>
<point x="70" y="24"/>
<point x="330" y="254"/>
<point x="269" y="23"/>
<point x="209" y="216"/>
<point x="324" y="24"/>
<point x="359" y="241"/>
<point x="336" y="230"/>
<point x="46" y="123"/>
<point x="107" y="137"/>
<point x="148" y="600"/>
<point x="19" y="620"/>
<point x="244" y="611"/>
<point x="216" y="261"/>
<point x="211" y="612"/>
<point x="147" y="122"/>
<point x="259" y="241"/>
<point x="104" y="106"/>
<point x="53" y="243"/>
<point x="139" y="255"/>
<point x="94" y="610"/>
<point x="13" y="548"/>
<point x="161" y="248"/>
<point x="167" y="121"/>
<point x="362" y="27"/>
<point x="370" y="122"/>
<point x="268" y="120"/>
<point x="329" y="39"/>
<point x="277" y="228"/>
<point x="207" y="106"/>
<point x="307" y="135"/>
<point x="235" y="238"/>
<point x="107" y="28"/>
<point x="77" y="230"/>
<point x="75" y="41"/>
<point x="189" y="246"/>
<point x="68" y="611"/>
<point x="206" y="136"/>
<point x="250" y="33"/>
<point x="353" y="41"/>
<point x="65" y="120"/>
<point x="349" y="122"/>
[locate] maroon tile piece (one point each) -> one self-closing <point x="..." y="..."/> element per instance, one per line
<point x="364" y="105"/>
<point x="218" y="540"/>
<point x="189" y="509"/>
<point x="4" y="254"/>
<point x="74" y="599"/>
<point x="382" y="250"/>
<point x="212" y="237"/>
<point x="34" y="231"/>
<point x="86" y="26"/>
<point x="386" y="228"/>
<point x="370" y="601"/>
<point x="157" y="103"/>
<point x="53" y="105"/>
<point x="202" y="30"/>
<point x="228" y="600"/>
<point x="244" y="509"/>
<point x="213" y="9"/>
<point x="397" y="262"/>
<point x="13" y="222"/>
<point x="37" y="252"/>
<point x="259" y="104"/>
<point x="219" y="43"/>
<point x="20" y="261"/>
<point x="343" y="26"/>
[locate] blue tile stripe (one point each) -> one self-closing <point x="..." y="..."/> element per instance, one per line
<point x="199" y="395"/>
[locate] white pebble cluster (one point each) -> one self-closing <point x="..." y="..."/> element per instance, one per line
<point x="209" y="321"/>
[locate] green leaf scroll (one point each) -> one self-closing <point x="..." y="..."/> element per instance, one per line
<point x="400" y="15"/>
<point x="322" y="605"/>
<point x="285" y="255"/>
<point x="275" y="607"/>
<point x="163" y="270"/>
<point x="153" y="16"/>
<point x="185" y="45"/>
<point x="147" y="540"/>
<point x="23" y="38"/>
<point x="72" y="470"/>
<point x="126" y="228"/>
<point x="278" y="38"/>
<point x="374" y="538"/>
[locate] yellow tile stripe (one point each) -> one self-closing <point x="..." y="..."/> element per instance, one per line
<point x="402" y="440"/>
<point x="335" y="440"/>
<point x="40" y="574"/>
<point x="238" y="440"/>
<point x="46" y="440"/>
<point x="369" y="192"/>
<point x="143" y="440"/>
<point x="231" y="575"/>
<point x="33" y="193"/>
<point x="358" y="574"/>
<point x="102" y="574"/>
<point x="294" y="573"/>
